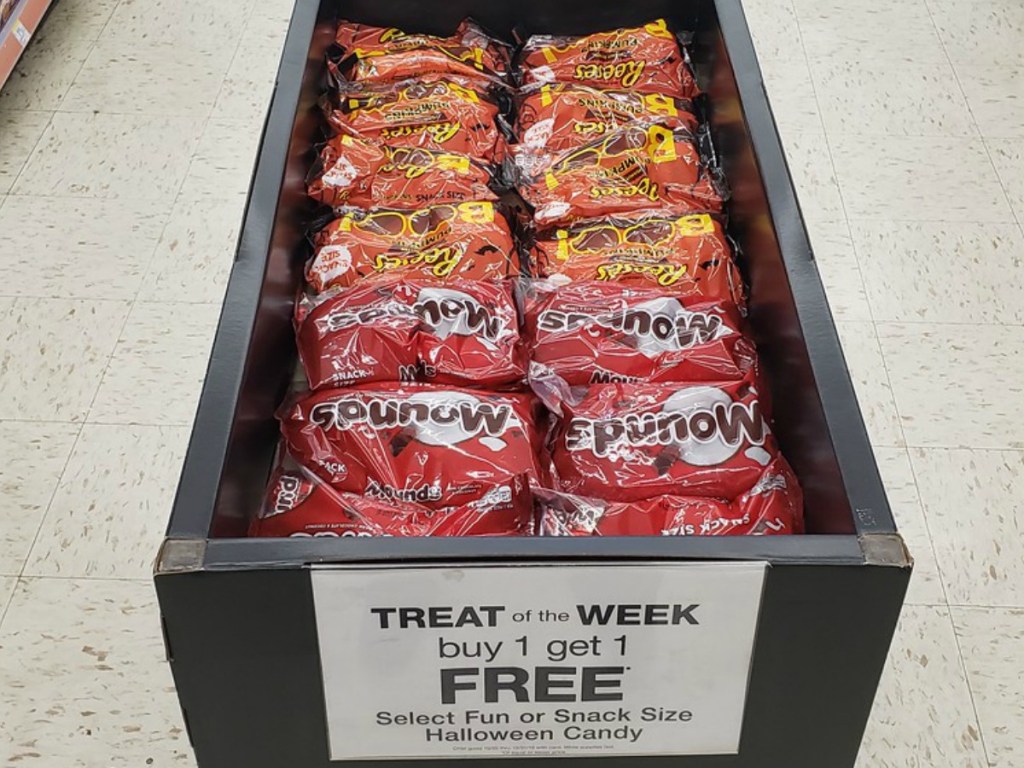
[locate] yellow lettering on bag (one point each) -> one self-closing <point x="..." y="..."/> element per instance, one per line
<point x="562" y="245"/>
<point x="466" y="93"/>
<point x="660" y="104"/>
<point x="476" y="212"/>
<point x="661" y="147"/>
<point x="391" y="34"/>
<point x="697" y="224"/>
<point x="658" y="28"/>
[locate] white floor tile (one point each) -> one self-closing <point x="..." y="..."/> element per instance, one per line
<point x="901" y="490"/>
<point x="950" y="271"/>
<point x="158" y="366"/>
<point x="192" y="27"/>
<point x="195" y="255"/>
<point x="272" y="14"/>
<point x="103" y="155"/>
<point x="869" y="32"/>
<point x="223" y="162"/>
<point x="864" y="359"/>
<point x="84" y="683"/>
<point x="249" y="84"/>
<point x="60" y="246"/>
<point x="922" y="716"/>
<point x="7" y="585"/>
<point x="996" y="98"/>
<point x="791" y="94"/>
<point x="976" y="515"/>
<point x="21" y="130"/>
<point x="916" y="98"/>
<point x="840" y="272"/>
<point x="48" y="67"/>
<point x="117" y="72"/>
<point x="86" y="18"/>
<point x="32" y="457"/>
<point x="1008" y="157"/>
<point x="109" y="513"/>
<point x="981" y="31"/>
<point x="811" y="167"/>
<point x="53" y="352"/>
<point x="918" y="179"/>
<point x="956" y="385"/>
<point x="992" y="642"/>
<point x="774" y="30"/>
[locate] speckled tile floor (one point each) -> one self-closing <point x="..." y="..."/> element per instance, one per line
<point x="121" y="192"/>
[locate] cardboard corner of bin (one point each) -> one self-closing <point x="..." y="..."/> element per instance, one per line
<point x="885" y="549"/>
<point x="180" y="556"/>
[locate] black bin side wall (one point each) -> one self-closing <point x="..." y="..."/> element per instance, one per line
<point x="800" y="419"/>
<point x="246" y="664"/>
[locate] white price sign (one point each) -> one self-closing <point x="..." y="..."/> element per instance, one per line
<point x="520" y="661"/>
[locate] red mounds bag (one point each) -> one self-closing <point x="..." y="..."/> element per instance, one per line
<point x="627" y="442"/>
<point x="458" y="332"/>
<point x="470" y="241"/>
<point x="555" y="117"/>
<point x="351" y="171"/>
<point x="298" y="504"/>
<point x="437" y="446"/>
<point x="773" y="506"/>
<point x="646" y="59"/>
<point x="443" y="115"/>
<point x="638" y="167"/>
<point x="686" y="256"/>
<point x="591" y="332"/>
<point x="375" y="54"/>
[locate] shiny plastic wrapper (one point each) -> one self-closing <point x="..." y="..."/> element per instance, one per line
<point x="555" y="117"/>
<point x="687" y="256"/>
<point x="351" y="171"/>
<point x="298" y="504"/>
<point x="773" y="506"/>
<point x="437" y="446"/>
<point x="442" y="242"/>
<point x="645" y="59"/>
<point x="460" y="332"/>
<point x="380" y="54"/>
<point x="592" y="333"/>
<point x="641" y="166"/>
<point x="443" y="115"/>
<point x="627" y="442"/>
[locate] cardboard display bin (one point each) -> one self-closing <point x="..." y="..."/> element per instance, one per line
<point x="273" y="671"/>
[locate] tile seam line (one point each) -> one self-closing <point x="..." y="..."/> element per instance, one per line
<point x="163" y="230"/>
<point x="42" y="520"/>
<point x="128" y="314"/>
<point x="885" y="367"/>
<point x="984" y="139"/>
<point x="849" y="233"/>
<point x="49" y="121"/>
<point x="78" y="436"/>
<point x="184" y="178"/>
<point x="44" y="297"/>
<point x="163" y="199"/>
<point x="54" y="577"/>
<point x="952" y="623"/>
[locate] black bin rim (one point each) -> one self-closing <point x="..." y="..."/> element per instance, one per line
<point x="191" y="516"/>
